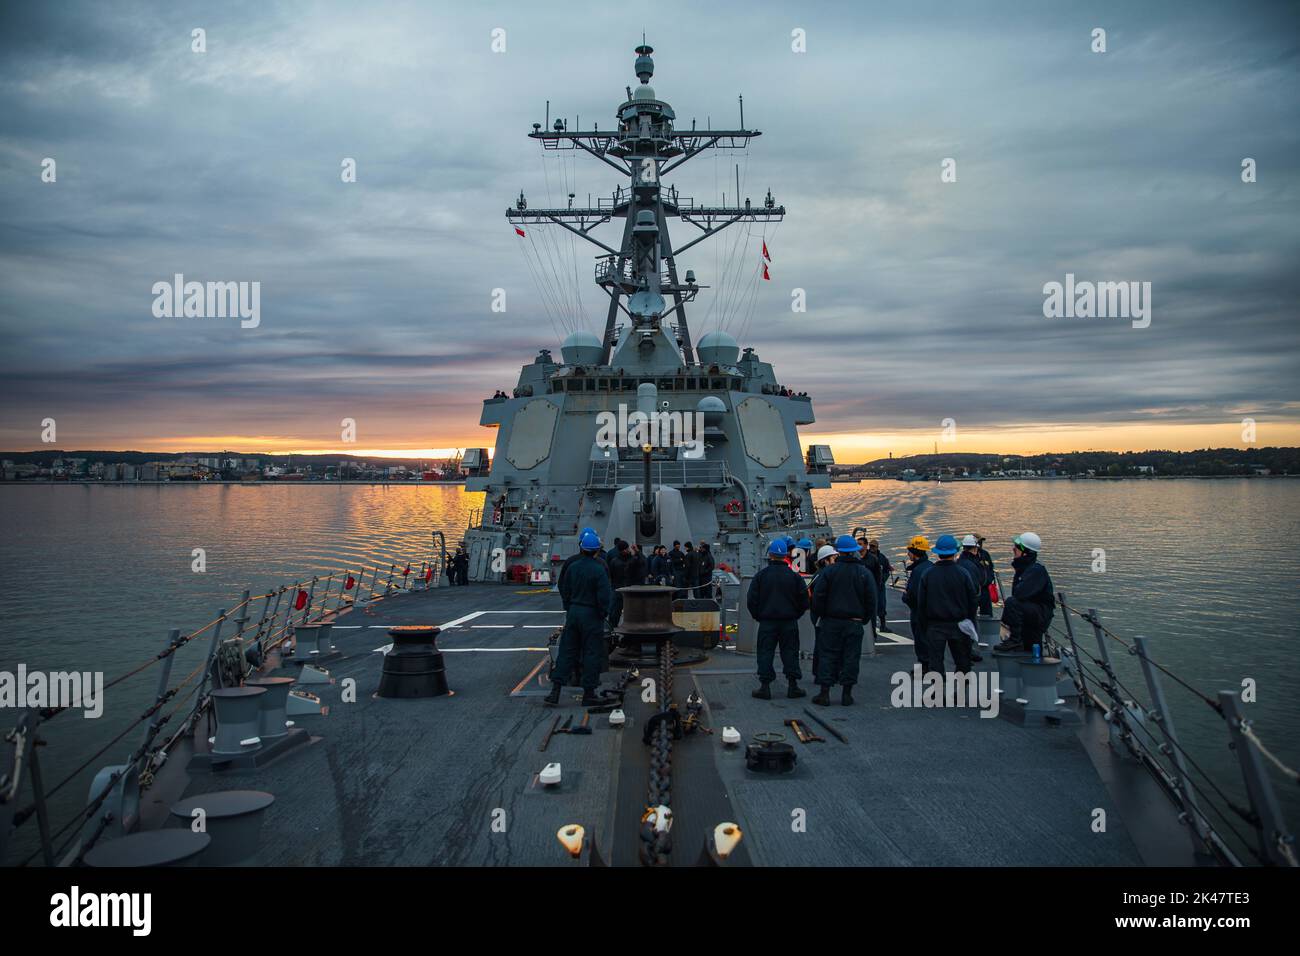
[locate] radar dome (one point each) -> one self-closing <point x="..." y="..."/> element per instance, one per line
<point x="718" y="348"/>
<point x="645" y="92"/>
<point x="712" y="408"/>
<point x="582" y="348"/>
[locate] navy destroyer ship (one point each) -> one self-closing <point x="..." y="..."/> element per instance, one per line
<point x="717" y="454"/>
<point x="381" y="716"/>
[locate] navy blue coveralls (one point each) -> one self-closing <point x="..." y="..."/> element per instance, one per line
<point x="777" y="599"/>
<point x="844" y="598"/>
<point x="945" y="595"/>
<point x="587" y="596"/>
<point x="915" y="572"/>
<point x="1029" y="609"/>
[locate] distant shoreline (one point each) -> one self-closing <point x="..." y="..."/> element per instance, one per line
<point x="231" y="481"/>
<point x="847" y="481"/>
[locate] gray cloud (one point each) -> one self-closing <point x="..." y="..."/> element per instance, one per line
<point x="923" y="297"/>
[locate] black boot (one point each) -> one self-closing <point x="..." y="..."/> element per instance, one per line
<point x="764" y="691"/>
<point x="846" y="696"/>
<point x="591" y="697"/>
<point x="553" y="696"/>
<point x="824" y="698"/>
<point x="794" y="690"/>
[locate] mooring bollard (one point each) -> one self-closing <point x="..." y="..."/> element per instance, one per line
<point x="1008" y="663"/>
<point x="237" y="720"/>
<point x="1038" y="686"/>
<point x="306" y="643"/>
<point x="414" y="666"/>
<point x="232" y="818"/>
<point x="272" y="717"/>
<point x="168" y="847"/>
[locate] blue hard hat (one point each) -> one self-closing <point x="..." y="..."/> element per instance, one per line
<point x="846" y="544"/>
<point x="778" y="549"/>
<point x="805" y="543"/>
<point x="590" y="541"/>
<point x="946" y="546"/>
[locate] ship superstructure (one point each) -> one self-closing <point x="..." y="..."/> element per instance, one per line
<point x="642" y="433"/>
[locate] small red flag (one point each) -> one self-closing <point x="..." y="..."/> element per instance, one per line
<point x="428" y="575"/>
<point x="349" y="583"/>
<point x="301" y="601"/>
<point x="765" y="275"/>
<point x="765" y="255"/>
<point x="407" y="571"/>
<point x="518" y="230"/>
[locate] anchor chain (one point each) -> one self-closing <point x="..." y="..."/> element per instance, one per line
<point x="656" y="822"/>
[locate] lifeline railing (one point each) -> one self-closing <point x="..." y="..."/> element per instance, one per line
<point x="259" y="630"/>
<point x="1189" y="786"/>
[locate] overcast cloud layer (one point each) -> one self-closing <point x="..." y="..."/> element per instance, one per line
<point x="924" y="298"/>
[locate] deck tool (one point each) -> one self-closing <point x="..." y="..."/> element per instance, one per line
<point x="838" y="736"/>
<point x="550" y="733"/>
<point x="805" y="736"/>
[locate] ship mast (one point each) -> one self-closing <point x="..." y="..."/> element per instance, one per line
<point x="644" y="147"/>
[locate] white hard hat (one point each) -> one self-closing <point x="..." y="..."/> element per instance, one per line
<point x="825" y="552"/>
<point x="1029" y="541"/>
<point x="969" y="542"/>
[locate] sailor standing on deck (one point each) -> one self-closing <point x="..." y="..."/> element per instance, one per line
<point x="1028" y="611"/>
<point x="704" y="576"/>
<point x="776" y="600"/>
<point x="990" y="578"/>
<point x="825" y="558"/>
<point x="969" y="561"/>
<point x="587" y="597"/>
<point x="917" y="550"/>
<point x="620" y="568"/>
<point x="844" y="596"/>
<point x="945" y="596"/>
<point x="677" y="565"/>
<point x="886" y="569"/>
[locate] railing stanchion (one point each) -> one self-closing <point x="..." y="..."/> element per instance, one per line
<point x="311" y="596"/>
<point x="212" y="653"/>
<point x="164" y="680"/>
<point x="1074" y="650"/>
<point x="242" y="619"/>
<point x="1165" y="719"/>
<point x="1274" y="840"/>
<point x="325" y="598"/>
<point x="38" y="796"/>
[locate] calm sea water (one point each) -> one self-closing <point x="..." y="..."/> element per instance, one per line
<point x="95" y="576"/>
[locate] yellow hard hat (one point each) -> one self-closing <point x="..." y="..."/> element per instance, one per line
<point x="919" y="543"/>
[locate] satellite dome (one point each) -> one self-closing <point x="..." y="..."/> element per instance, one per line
<point x="643" y="92"/>
<point x="718" y="348"/>
<point x="582" y="348"/>
<point x="712" y="408"/>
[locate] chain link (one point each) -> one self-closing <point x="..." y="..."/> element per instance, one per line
<point x="656" y="822"/>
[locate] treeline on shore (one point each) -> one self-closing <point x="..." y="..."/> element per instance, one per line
<point x="1202" y="463"/>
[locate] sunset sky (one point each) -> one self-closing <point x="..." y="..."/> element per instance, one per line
<point x="925" y="298"/>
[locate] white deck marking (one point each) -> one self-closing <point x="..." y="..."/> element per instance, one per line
<point x="561" y="611"/>
<point x="548" y="627"/>
<point x="491" y="650"/>
<point x="492" y="626"/>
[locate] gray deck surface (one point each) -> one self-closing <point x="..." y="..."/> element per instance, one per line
<point x="391" y="782"/>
